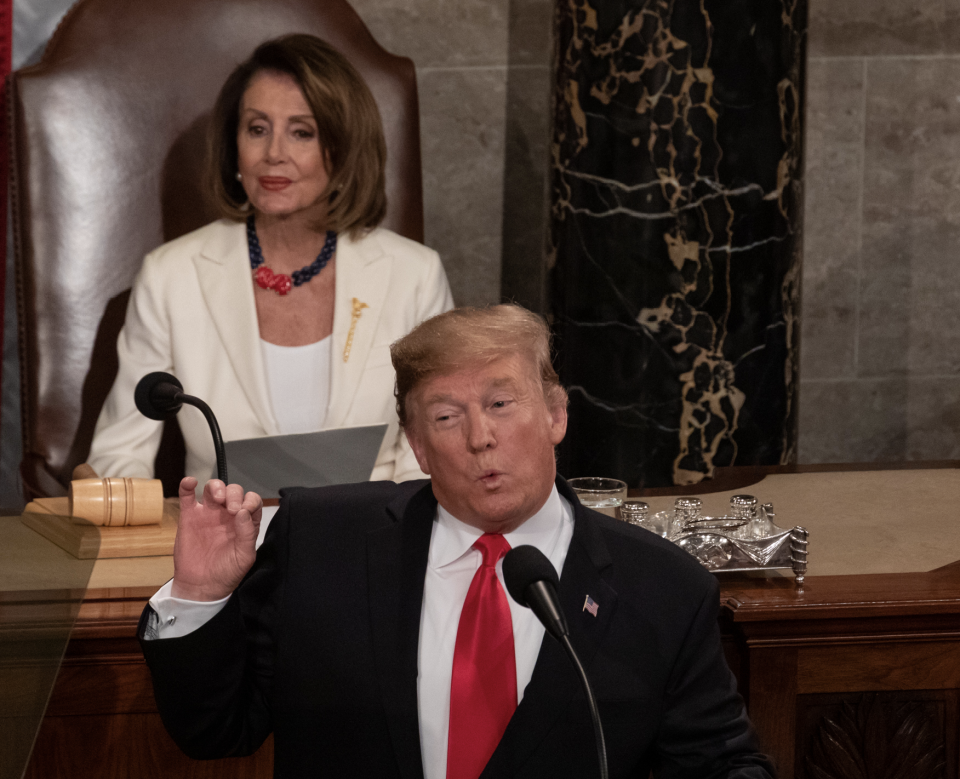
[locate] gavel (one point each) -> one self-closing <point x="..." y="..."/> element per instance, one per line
<point x="114" y="501"/>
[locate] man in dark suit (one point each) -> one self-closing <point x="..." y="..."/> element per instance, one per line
<point x="371" y="635"/>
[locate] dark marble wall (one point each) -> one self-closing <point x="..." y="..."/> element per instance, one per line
<point x="676" y="208"/>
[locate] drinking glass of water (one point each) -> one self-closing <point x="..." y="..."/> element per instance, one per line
<point x="599" y="494"/>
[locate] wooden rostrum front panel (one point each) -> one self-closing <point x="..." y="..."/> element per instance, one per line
<point x="892" y="735"/>
<point x="856" y="677"/>
<point x="102" y="721"/>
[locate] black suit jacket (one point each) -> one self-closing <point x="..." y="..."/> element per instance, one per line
<point x="319" y="645"/>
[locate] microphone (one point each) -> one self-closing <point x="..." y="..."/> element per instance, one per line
<point x="532" y="582"/>
<point x="160" y="396"/>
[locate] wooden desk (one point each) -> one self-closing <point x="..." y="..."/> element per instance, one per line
<point x="861" y="664"/>
<point x="855" y="670"/>
<point x="101" y="721"/>
<point x="857" y="675"/>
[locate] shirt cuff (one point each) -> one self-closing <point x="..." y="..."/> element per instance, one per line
<point x="176" y="617"/>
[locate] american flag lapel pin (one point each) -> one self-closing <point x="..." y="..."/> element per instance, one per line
<point x="590" y="605"/>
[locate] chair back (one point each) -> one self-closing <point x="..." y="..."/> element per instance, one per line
<point x="108" y="134"/>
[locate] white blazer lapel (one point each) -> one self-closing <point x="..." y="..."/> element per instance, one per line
<point x="363" y="278"/>
<point x="223" y="267"/>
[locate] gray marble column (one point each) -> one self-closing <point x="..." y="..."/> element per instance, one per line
<point x="676" y="213"/>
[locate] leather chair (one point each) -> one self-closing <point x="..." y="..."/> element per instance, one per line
<point x="108" y="139"/>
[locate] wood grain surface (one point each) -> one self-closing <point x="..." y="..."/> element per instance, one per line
<point x="49" y="517"/>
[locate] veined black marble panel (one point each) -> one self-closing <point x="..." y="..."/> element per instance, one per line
<point x="676" y="211"/>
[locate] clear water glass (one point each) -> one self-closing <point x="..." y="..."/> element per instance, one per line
<point x="600" y="494"/>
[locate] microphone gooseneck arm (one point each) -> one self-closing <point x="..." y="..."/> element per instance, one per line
<point x="592" y="704"/>
<point x="160" y="396"/>
<point x="532" y="581"/>
<point x="190" y="400"/>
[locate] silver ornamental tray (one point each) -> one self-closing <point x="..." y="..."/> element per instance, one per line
<point x="716" y="551"/>
<point x="745" y="540"/>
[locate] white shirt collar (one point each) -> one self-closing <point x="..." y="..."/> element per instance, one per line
<point x="452" y="539"/>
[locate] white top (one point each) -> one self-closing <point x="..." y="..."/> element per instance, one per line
<point x="451" y="565"/>
<point x="298" y="380"/>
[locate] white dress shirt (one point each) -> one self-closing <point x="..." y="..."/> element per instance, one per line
<point x="451" y="565"/>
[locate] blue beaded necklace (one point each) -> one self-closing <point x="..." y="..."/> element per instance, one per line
<point x="281" y="283"/>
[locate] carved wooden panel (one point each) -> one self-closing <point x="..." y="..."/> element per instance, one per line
<point x="877" y="735"/>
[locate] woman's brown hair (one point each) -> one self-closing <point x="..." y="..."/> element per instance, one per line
<point x="348" y="123"/>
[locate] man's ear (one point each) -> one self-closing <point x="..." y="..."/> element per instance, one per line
<point x="416" y="444"/>
<point x="558" y="422"/>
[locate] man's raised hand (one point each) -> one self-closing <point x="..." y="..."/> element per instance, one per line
<point x="216" y="540"/>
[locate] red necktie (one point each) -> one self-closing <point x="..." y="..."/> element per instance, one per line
<point x="483" y="687"/>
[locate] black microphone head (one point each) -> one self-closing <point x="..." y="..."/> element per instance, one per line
<point x="524" y="565"/>
<point x="156" y="395"/>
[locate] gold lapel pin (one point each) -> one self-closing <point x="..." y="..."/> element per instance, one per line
<point x="355" y="315"/>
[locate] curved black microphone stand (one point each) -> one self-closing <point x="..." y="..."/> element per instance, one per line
<point x="160" y="396"/>
<point x="532" y="581"/>
<point x="592" y="704"/>
<point x="190" y="400"/>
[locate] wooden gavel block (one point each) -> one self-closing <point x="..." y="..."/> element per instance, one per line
<point x="114" y="501"/>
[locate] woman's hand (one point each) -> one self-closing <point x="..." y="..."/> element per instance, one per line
<point x="216" y="540"/>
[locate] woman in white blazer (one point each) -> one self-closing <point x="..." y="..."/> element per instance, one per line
<point x="280" y="315"/>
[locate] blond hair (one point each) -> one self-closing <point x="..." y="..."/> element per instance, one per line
<point x="348" y="125"/>
<point x="466" y="337"/>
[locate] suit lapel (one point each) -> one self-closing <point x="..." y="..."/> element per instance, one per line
<point x="397" y="563"/>
<point x="554" y="683"/>
<point x="363" y="275"/>
<point x="223" y="268"/>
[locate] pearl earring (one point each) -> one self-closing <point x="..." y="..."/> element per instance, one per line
<point x="239" y="176"/>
